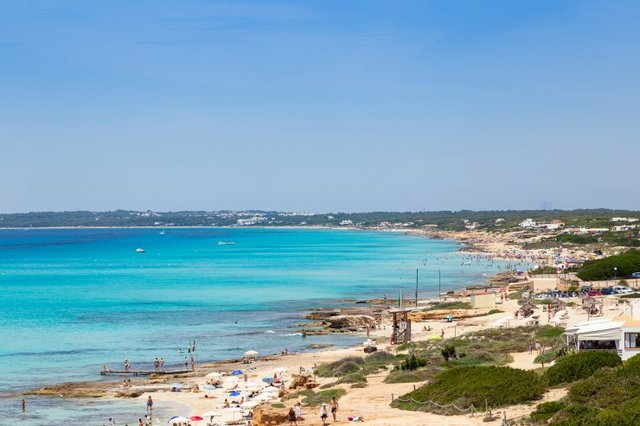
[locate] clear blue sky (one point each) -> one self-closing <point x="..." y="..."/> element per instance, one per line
<point x="327" y="105"/>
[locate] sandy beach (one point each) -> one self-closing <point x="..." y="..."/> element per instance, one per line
<point x="371" y="402"/>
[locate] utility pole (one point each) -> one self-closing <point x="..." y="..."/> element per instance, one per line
<point x="416" y="287"/>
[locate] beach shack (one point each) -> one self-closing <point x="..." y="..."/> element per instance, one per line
<point x="620" y="334"/>
<point x="483" y="300"/>
<point x="401" y="326"/>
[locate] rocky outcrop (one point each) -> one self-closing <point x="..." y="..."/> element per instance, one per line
<point x="73" y="390"/>
<point x="267" y="415"/>
<point x="350" y="322"/>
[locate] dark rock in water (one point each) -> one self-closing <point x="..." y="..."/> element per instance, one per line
<point x="362" y="302"/>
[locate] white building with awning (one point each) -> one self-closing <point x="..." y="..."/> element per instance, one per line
<point x="620" y="334"/>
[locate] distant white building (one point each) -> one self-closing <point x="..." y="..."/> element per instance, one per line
<point x="552" y="226"/>
<point x="499" y="220"/>
<point x="528" y="223"/>
<point x="346" y="222"/>
<point x="623" y="228"/>
<point x="624" y="219"/>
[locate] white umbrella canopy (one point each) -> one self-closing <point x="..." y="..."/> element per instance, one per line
<point x="251" y="353"/>
<point x="249" y="404"/>
<point x="179" y="419"/>
<point x="214" y="375"/>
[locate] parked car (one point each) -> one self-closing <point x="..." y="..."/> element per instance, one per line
<point x="607" y="291"/>
<point x="620" y="289"/>
<point x="635" y="275"/>
<point x="592" y="293"/>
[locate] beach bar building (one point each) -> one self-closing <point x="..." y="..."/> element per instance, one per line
<point x="620" y="334"/>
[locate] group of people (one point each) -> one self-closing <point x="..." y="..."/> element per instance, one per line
<point x="158" y="365"/>
<point x="333" y="405"/>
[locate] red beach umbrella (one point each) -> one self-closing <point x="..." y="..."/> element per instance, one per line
<point x="196" y="418"/>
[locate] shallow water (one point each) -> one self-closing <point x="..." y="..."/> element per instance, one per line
<point x="73" y="299"/>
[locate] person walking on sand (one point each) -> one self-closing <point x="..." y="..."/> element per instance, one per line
<point x="149" y="404"/>
<point x="298" y="410"/>
<point x="323" y="413"/>
<point x="334" y="408"/>
<point x="292" y="417"/>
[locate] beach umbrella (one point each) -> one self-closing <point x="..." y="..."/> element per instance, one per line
<point x="234" y="393"/>
<point x="214" y="375"/>
<point x="196" y="418"/>
<point x="249" y="404"/>
<point x="179" y="419"/>
<point x="251" y="354"/>
<point x="236" y="373"/>
<point x="267" y="379"/>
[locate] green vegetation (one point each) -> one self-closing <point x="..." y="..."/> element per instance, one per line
<point x="448" y="352"/>
<point x="603" y="269"/>
<point x="546" y="410"/>
<point x="577" y="239"/>
<point x="407" y="376"/>
<point x="448" y="306"/>
<point x="579" y="366"/>
<point x="610" y="396"/>
<point x="314" y="399"/>
<point x="445" y="220"/>
<point x="494" y="311"/>
<point x="412" y="363"/>
<point x="354" y="370"/>
<point x="544" y="270"/>
<point x="495" y="386"/>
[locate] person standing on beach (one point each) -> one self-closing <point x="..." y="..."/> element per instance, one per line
<point x="323" y="413"/>
<point x="149" y="404"/>
<point x="292" y="417"/>
<point x="298" y="410"/>
<point x="162" y="364"/>
<point x="156" y="364"/>
<point x="24" y="406"/>
<point x="112" y="421"/>
<point x="334" y="408"/>
<point x="186" y="363"/>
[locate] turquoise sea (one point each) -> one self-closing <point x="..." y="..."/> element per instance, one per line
<point x="73" y="299"/>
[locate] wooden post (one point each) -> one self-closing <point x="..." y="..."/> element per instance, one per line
<point x="392" y="398"/>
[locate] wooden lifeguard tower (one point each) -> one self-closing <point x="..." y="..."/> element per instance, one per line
<point x="401" y="332"/>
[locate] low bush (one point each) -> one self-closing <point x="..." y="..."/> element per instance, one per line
<point x="579" y="366"/>
<point x="346" y="368"/>
<point x="611" y="396"/>
<point x="340" y="368"/>
<point x="404" y="376"/>
<point x="495" y="386"/>
<point x="412" y="363"/>
<point x="546" y="410"/>
<point x="314" y="399"/>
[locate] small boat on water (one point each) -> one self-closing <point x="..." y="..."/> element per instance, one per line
<point x="466" y="263"/>
<point x="226" y="243"/>
<point x="139" y="250"/>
